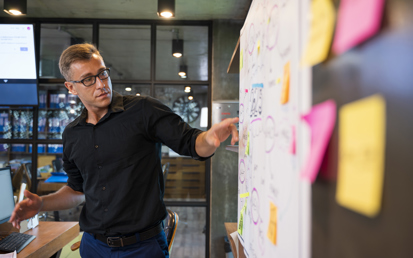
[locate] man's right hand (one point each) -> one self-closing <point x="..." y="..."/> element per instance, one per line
<point x="26" y="209"/>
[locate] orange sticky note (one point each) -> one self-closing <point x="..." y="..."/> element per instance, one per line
<point x="285" y="92"/>
<point x="272" y="226"/>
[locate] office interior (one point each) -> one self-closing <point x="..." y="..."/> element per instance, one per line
<point x="137" y="45"/>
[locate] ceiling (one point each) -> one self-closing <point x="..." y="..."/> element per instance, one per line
<point x="134" y="9"/>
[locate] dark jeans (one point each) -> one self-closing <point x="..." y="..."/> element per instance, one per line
<point x="155" y="247"/>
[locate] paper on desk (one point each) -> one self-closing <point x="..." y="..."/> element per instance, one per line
<point x="362" y="135"/>
<point x="321" y="120"/>
<point x="9" y="255"/>
<point x="234" y="236"/>
<point x="357" y="21"/>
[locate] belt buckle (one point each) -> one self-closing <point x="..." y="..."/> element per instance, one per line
<point x="111" y="241"/>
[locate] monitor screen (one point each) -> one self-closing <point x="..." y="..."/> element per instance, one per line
<point x="6" y="194"/>
<point x="18" y="77"/>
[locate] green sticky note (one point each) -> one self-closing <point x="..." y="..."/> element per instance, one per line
<point x="247" y="148"/>
<point x="241" y="223"/>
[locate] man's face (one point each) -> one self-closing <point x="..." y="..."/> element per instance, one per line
<point x="96" y="97"/>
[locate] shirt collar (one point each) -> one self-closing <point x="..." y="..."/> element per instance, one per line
<point x="115" y="106"/>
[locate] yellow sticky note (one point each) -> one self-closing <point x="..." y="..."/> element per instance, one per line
<point x="321" y="32"/>
<point x="244" y="195"/>
<point x="285" y="92"/>
<point x="361" y="155"/>
<point x="258" y="46"/>
<point x="272" y="226"/>
<point x="241" y="59"/>
<point x="247" y="148"/>
<point x="241" y="223"/>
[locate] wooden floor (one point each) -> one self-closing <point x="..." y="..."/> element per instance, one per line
<point x="189" y="239"/>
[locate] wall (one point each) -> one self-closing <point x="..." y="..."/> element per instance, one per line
<point x="224" y="164"/>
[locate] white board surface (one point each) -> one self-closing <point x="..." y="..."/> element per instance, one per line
<point x="270" y="162"/>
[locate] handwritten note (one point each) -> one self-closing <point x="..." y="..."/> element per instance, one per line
<point x="241" y="223"/>
<point x="272" y="226"/>
<point x="321" y="120"/>
<point x="357" y="21"/>
<point x="247" y="148"/>
<point x="285" y="92"/>
<point x="361" y="155"/>
<point x="321" y="32"/>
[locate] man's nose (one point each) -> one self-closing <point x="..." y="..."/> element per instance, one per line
<point x="99" y="83"/>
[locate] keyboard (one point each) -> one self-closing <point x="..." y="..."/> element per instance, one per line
<point x="15" y="241"/>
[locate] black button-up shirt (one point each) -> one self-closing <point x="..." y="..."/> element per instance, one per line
<point x="117" y="163"/>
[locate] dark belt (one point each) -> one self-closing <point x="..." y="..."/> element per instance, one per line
<point x="120" y="241"/>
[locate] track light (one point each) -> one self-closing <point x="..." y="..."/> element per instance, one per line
<point x="166" y="8"/>
<point x="128" y="88"/>
<point x="15" y="7"/>
<point x="187" y="89"/>
<point x="138" y="94"/>
<point x="183" y="71"/>
<point x="177" y="48"/>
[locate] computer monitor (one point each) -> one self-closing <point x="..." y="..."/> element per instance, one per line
<point x="6" y="195"/>
<point x="18" y="77"/>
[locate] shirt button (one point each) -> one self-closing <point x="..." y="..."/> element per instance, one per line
<point x="103" y="188"/>
<point x="96" y="146"/>
<point x="106" y="209"/>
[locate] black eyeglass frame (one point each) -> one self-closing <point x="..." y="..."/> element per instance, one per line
<point x="94" y="77"/>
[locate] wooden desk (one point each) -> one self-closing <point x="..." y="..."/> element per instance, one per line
<point x="50" y="238"/>
<point x="231" y="227"/>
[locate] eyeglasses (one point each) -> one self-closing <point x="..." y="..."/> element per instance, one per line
<point x="90" y="80"/>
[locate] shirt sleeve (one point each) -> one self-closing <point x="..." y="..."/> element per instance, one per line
<point x="167" y="127"/>
<point x="75" y="179"/>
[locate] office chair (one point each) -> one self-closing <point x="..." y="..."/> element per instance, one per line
<point x="57" y="165"/>
<point x="165" y="169"/>
<point x="21" y="176"/>
<point x="171" y="223"/>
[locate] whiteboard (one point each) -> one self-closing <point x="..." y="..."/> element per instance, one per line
<point x="274" y="92"/>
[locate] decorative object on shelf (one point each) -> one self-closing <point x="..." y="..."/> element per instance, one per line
<point x="188" y="109"/>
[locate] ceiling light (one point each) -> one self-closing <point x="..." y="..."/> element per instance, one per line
<point x="188" y="89"/>
<point x="128" y="88"/>
<point x="72" y="111"/>
<point x="15" y="7"/>
<point x="166" y="8"/>
<point x="182" y="70"/>
<point x="138" y="94"/>
<point x="190" y="97"/>
<point x="177" y="48"/>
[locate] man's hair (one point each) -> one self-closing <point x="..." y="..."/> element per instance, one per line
<point x="74" y="53"/>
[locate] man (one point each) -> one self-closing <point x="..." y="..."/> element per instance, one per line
<point x="111" y="154"/>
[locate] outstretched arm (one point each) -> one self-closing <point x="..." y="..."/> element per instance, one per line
<point x="65" y="198"/>
<point x="207" y="142"/>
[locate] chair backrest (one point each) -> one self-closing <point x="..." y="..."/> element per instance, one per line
<point x="57" y="165"/>
<point x="21" y="176"/>
<point x="165" y="169"/>
<point x="170" y="228"/>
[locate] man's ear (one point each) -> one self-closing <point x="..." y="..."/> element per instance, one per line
<point x="71" y="88"/>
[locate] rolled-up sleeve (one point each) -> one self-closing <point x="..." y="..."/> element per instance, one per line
<point x="167" y="127"/>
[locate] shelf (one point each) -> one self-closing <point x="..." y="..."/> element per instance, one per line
<point x="233" y="66"/>
<point x="233" y="148"/>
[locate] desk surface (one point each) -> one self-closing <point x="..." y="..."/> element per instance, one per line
<point x="230" y="228"/>
<point x="50" y="238"/>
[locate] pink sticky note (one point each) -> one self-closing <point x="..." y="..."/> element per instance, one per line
<point x="321" y="120"/>
<point x="357" y="21"/>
